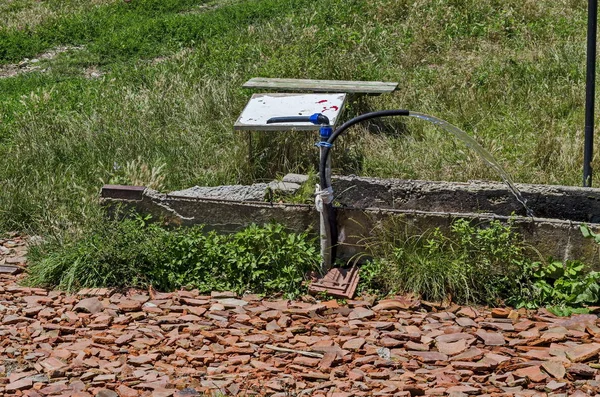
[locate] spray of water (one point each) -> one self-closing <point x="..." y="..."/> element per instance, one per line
<point x="485" y="155"/>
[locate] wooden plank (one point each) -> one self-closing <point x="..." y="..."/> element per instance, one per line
<point x="262" y="107"/>
<point x="353" y="87"/>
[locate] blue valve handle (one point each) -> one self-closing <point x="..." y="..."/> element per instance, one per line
<point x="316" y="119"/>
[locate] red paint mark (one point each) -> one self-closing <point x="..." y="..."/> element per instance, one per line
<point x="334" y="108"/>
<point x="322" y="101"/>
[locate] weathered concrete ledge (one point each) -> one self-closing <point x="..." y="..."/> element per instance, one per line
<point x="546" y="201"/>
<point x="557" y="238"/>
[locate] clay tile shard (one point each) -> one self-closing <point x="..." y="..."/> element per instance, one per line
<point x="189" y="392"/>
<point x="468" y="312"/>
<point x="471" y="354"/>
<point x="450" y="338"/>
<point x="125" y="391"/>
<point x="360" y="313"/>
<point x="479" y="366"/>
<point x="89" y="305"/>
<point x="583" y="352"/>
<point x="500" y="312"/>
<point x="532" y="373"/>
<point x="466" y="389"/>
<point x="256" y="338"/>
<point x="21" y="384"/>
<point x="391" y="342"/>
<point x="142" y="359"/>
<point x="354" y="344"/>
<point x="53" y="364"/>
<point x="11" y="270"/>
<point x="130" y="305"/>
<point x="577" y="321"/>
<point x="429" y="357"/>
<point x="491" y="338"/>
<point x="555" y="369"/>
<point x="554" y="385"/>
<point x="582" y="370"/>
<point x="401" y="303"/>
<point x="231" y="303"/>
<point x="453" y="348"/>
<point x="465" y="322"/>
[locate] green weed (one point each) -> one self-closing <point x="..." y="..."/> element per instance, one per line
<point x="136" y="253"/>
<point x="566" y="284"/>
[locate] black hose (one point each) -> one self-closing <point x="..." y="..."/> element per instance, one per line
<point x="344" y="127"/>
<point x="323" y="163"/>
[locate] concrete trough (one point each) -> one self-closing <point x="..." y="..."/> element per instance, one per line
<point x="365" y="204"/>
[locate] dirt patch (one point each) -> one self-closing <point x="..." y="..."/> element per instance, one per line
<point x="28" y="65"/>
<point x="93" y="73"/>
<point x="209" y="7"/>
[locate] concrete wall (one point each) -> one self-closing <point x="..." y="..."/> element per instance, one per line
<point x="560" y="239"/>
<point x="546" y="201"/>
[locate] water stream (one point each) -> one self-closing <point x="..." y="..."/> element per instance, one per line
<point x="484" y="154"/>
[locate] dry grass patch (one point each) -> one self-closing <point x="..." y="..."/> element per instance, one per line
<point x="28" y="14"/>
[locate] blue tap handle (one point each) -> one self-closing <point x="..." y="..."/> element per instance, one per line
<point x="317" y="119"/>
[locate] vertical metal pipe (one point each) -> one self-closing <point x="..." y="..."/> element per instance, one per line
<point x="324" y="222"/>
<point x="590" y="92"/>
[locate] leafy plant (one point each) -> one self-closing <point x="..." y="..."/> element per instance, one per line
<point x="564" y="287"/>
<point x="565" y="311"/>
<point x="568" y="283"/>
<point x="135" y="252"/>
<point x="370" y="278"/>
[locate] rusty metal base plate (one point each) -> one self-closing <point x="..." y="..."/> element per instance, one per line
<point x="339" y="283"/>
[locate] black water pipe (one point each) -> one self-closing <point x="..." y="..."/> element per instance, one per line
<point x="323" y="163"/>
<point x="590" y="92"/>
<point x="342" y="128"/>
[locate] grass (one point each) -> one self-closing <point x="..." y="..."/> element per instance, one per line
<point x="470" y="263"/>
<point x="136" y="253"/>
<point x="476" y="263"/>
<point x="510" y="73"/>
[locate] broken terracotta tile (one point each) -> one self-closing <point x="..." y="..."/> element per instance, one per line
<point x="452" y="349"/>
<point x="555" y="369"/>
<point x="532" y="373"/>
<point x="172" y="345"/>
<point x="583" y="352"/>
<point x="491" y="338"/>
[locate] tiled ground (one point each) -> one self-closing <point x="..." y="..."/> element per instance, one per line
<point x="103" y="343"/>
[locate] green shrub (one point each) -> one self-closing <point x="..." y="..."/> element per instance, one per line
<point x="136" y="253"/>
<point x="565" y="287"/>
<point x="472" y="264"/>
<point x="566" y="284"/>
<point x="486" y="264"/>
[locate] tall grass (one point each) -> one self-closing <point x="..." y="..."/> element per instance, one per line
<point x="470" y="263"/>
<point x="511" y="73"/>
